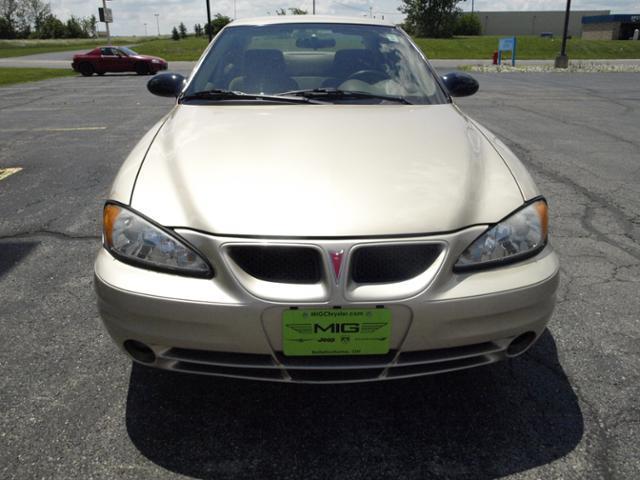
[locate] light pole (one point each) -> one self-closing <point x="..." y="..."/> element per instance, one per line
<point x="209" y="27"/>
<point x="562" y="60"/>
<point x="146" y="34"/>
<point x="314" y="7"/>
<point x="106" y="21"/>
<point x="235" y="9"/>
<point x="157" y="15"/>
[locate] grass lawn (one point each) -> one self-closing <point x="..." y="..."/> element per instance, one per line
<point x="529" y="48"/>
<point x="9" y="76"/>
<point x="18" y="48"/>
<point x="189" y="49"/>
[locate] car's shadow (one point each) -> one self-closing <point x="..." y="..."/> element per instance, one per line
<point x="12" y="253"/>
<point x="482" y="423"/>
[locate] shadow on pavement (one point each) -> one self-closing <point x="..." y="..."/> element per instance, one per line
<point x="482" y="423"/>
<point x="11" y="253"/>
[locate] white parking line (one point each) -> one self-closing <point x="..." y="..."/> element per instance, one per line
<point x="52" y="129"/>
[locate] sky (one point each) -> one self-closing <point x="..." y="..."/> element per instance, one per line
<point x="130" y="16"/>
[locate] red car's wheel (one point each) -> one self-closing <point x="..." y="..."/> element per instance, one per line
<point x="86" y="69"/>
<point x="142" y="68"/>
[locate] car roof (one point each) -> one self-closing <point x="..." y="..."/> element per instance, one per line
<point x="283" y="19"/>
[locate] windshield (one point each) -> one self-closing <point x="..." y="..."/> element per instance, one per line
<point x="276" y="59"/>
<point x="128" y="51"/>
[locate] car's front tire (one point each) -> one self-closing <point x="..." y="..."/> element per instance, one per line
<point x="86" y="69"/>
<point x="142" y="69"/>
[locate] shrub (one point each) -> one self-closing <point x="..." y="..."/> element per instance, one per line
<point x="468" y="24"/>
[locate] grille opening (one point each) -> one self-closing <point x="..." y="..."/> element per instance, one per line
<point x="392" y="263"/>
<point x="335" y="375"/>
<point x="444" y="366"/>
<point x="274" y="374"/>
<point x="298" y="265"/>
<point x="444" y="354"/>
<point x="336" y="361"/>
<point x="219" y="358"/>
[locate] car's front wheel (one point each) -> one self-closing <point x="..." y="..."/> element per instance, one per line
<point x="86" y="69"/>
<point x="142" y="69"/>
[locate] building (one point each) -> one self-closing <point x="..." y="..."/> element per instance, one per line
<point x="534" y="23"/>
<point x="609" y="27"/>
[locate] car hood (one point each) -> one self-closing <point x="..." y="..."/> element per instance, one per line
<point x="147" y="57"/>
<point x="323" y="171"/>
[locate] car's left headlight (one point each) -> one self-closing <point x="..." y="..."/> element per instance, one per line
<point x="136" y="240"/>
<point x="519" y="236"/>
<point x="155" y="60"/>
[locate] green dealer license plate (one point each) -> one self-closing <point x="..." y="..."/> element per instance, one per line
<point x="311" y="332"/>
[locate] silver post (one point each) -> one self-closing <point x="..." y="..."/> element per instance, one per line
<point x="314" y="7"/>
<point x="157" y="15"/>
<point x="104" y="8"/>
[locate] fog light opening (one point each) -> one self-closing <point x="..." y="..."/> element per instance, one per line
<point x="139" y="351"/>
<point x="520" y="344"/>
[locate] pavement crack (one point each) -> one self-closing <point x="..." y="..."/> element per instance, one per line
<point x="587" y="219"/>
<point x="51" y="233"/>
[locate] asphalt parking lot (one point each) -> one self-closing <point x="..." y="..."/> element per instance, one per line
<point x="73" y="407"/>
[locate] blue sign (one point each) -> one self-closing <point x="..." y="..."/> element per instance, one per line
<point x="507" y="44"/>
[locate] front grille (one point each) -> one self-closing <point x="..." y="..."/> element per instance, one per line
<point x="392" y="263"/>
<point x="298" y="265"/>
<point x="330" y="369"/>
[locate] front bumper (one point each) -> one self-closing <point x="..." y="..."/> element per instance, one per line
<point x="158" y="67"/>
<point x="217" y="327"/>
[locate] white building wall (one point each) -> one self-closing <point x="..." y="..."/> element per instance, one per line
<point x="534" y="23"/>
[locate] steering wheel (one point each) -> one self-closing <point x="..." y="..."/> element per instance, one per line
<point x="369" y="76"/>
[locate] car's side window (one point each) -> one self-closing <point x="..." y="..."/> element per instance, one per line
<point x="108" y="52"/>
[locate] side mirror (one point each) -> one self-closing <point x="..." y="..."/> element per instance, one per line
<point x="460" y="84"/>
<point x="167" y="84"/>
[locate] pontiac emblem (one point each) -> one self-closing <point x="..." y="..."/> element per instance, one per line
<point x="336" y="261"/>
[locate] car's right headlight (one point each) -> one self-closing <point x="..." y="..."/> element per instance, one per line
<point x="519" y="236"/>
<point x="135" y="240"/>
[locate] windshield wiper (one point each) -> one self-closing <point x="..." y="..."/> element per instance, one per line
<point x="219" y="94"/>
<point x="335" y="94"/>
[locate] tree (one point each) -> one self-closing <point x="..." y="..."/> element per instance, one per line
<point x="183" y="30"/>
<point x="198" y="30"/>
<point x="5" y="28"/>
<point x="36" y="11"/>
<point x="294" y="11"/>
<point x="52" y="27"/>
<point x="174" y="34"/>
<point x="218" y="23"/>
<point x="89" y="26"/>
<point x="9" y="10"/>
<point x="430" y="18"/>
<point x="73" y="28"/>
<point x="468" y="24"/>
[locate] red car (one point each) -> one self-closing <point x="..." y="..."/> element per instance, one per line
<point x="117" y="59"/>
